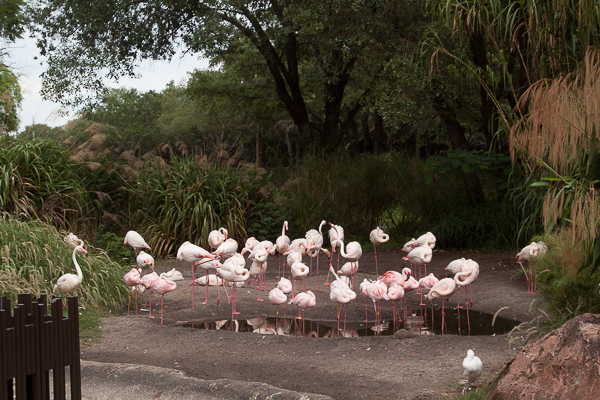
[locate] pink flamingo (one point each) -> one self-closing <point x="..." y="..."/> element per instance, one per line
<point x="443" y="290"/>
<point x="68" y="283"/>
<point x="207" y="265"/>
<point x="364" y="289"/>
<point x="378" y="236"/>
<point x="427" y="282"/>
<point x="250" y="243"/>
<point x="391" y="277"/>
<point x="132" y="279"/>
<point x="377" y="291"/>
<point x="340" y="294"/>
<point x="314" y="239"/>
<point x="410" y="284"/>
<point x="349" y="269"/>
<point x="277" y="297"/>
<point x="191" y="253"/>
<point x="282" y="244"/>
<point x="303" y="301"/>
<point x="216" y="237"/>
<point x="454" y="268"/>
<point x="395" y="292"/>
<point x="409" y="246"/>
<point x="162" y="286"/>
<point x="336" y="238"/>
<point x="419" y="256"/>
<point x="299" y="270"/>
<point x="285" y="285"/>
<point x="466" y="277"/>
<point x="233" y="270"/>
<point x="258" y="256"/>
<point x="135" y="240"/>
<point x="258" y="270"/>
<point x="147" y="281"/>
<point x="529" y="253"/>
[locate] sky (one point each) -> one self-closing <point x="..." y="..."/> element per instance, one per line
<point x="34" y="109"/>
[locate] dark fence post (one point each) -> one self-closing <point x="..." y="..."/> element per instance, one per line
<point x="75" y="350"/>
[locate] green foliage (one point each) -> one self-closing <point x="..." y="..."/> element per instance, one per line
<point x="187" y="200"/>
<point x="567" y="292"/>
<point x="34" y="256"/>
<point x="10" y="101"/>
<point x="112" y="244"/>
<point x="12" y="20"/>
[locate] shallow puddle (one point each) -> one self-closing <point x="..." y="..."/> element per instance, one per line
<point x="420" y="322"/>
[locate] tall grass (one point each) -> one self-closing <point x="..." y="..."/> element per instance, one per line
<point x="34" y="255"/>
<point x="569" y="293"/>
<point x="191" y="197"/>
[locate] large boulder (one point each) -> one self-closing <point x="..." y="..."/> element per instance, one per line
<point x="564" y="364"/>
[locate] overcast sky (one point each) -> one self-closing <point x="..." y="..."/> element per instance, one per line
<point x="154" y="76"/>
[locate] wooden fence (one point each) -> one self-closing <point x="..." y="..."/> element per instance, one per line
<point x="32" y="343"/>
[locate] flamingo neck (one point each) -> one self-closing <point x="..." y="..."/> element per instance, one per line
<point x="79" y="273"/>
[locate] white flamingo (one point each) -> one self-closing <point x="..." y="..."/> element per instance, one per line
<point x="233" y="271"/>
<point x="378" y="236"/>
<point x="191" y="253"/>
<point x="68" y="283"/>
<point x="216" y="237"/>
<point x="340" y="294"/>
<point x="314" y="240"/>
<point x="282" y="244"/>
<point x="135" y="240"/>
<point x="443" y="290"/>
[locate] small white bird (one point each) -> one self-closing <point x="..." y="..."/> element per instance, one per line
<point x="473" y="369"/>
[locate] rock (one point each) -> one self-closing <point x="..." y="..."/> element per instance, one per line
<point x="403" y="334"/>
<point x="564" y="364"/>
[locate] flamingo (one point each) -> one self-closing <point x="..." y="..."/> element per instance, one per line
<point x="233" y="270"/>
<point x="473" y="369"/>
<point x="303" y="301"/>
<point x="529" y="253"/>
<point x="258" y="269"/>
<point x="314" y="239"/>
<point x="147" y="281"/>
<point x="207" y="265"/>
<point x="216" y="237"/>
<point x="226" y="249"/>
<point x="282" y="244"/>
<point x="132" y="279"/>
<point x="173" y="275"/>
<point x="73" y="241"/>
<point x="354" y="252"/>
<point x="258" y="256"/>
<point x="285" y="285"/>
<point x="410" y="284"/>
<point x="250" y="243"/>
<point x="428" y="238"/>
<point x="68" y="283"/>
<point x="469" y="273"/>
<point x="377" y="291"/>
<point x="135" y="240"/>
<point x="395" y="292"/>
<point x="299" y="245"/>
<point x="409" y="246"/>
<point x="391" y="277"/>
<point x="145" y="261"/>
<point x="349" y="269"/>
<point x="419" y="256"/>
<point x="454" y="268"/>
<point x="427" y="282"/>
<point x="162" y="286"/>
<point x="378" y="236"/>
<point x="191" y="253"/>
<point x="294" y="253"/>
<point x="299" y="270"/>
<point x="340" y="294"/>
<point x="277" y="297"/>
<point x="336" y="237"/>
<point x="443" y="290"/>
<point x="213" y="280"/>
<point x="268" y="245"/>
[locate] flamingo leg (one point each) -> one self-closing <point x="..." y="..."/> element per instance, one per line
<point x="526" y="276"/>
<point x="136" y="309"/>
<point x="129" y="303"/>
<point x="233" y="301"/>
<point x="193" y="280"/>
<point x="279" y="271"/>
<point x="458" y="305"/>
<point x="345" y="313"/>
<point x="376" y="269"/>
<point x="259" y="299"/>
<point x="468" y="320"/>
<point x="150" y="304"/>
<point x="161" y="309"/>
<point x="206" y="296"/>
<point x="443" y="316"/>
<point x="310" y="277"/>
<point x="328" y="271"/>
<point x="471" y="292"/>
<point x="421" y="298"/>
<point x="318" y="277"/>
<point x="338" y="309"/>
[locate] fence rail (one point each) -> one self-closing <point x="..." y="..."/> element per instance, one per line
<point x="32" y="343"/>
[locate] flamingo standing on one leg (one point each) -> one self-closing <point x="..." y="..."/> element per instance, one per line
<point x="191" y="253"/>
<point x="314" y="239"/>
<point x="427" y="282"/>
<point x="299" y="270"/>
<point x="410" y="284"/>
<point x="282" y="244"/>
<point x="135" y="240"/>
<point x="340" y="294"/>
<point x="377" y="291"/>
<point x="349" y="269"/>
<point x="277" y="297"/>
<point x="233" y="270"/>
<point x="443" y="290"/>
<point x="336" y="237"/>
<point x="304" y="301"/>
<point x="162" y="286"/>
<point x="454" y="268"/>
<point x="148" y="281"/>
<point x="395" y="292"/>
<point x="378" y="236"/>
<point x="530" y="253"/>
<point x="132" y="279"/>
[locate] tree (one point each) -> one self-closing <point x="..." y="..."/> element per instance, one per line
<point x="298" y="42"/>
<point x="12" y="22"/>
<point x="10" y="101"/>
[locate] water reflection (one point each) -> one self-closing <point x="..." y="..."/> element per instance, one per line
<point x="420" y="322"/>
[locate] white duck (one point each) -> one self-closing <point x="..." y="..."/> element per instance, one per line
<point x="473" y="369"/>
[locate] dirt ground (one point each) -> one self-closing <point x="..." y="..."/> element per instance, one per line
<point x="423" y="367"/>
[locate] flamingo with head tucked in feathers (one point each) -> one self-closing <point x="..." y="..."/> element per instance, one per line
<point x="419" y="256"/>
<point x="378" y="236"/>
<point x="233" y="271"/>
<point x="443" y="290"/>
<point x="162" y="286"/>
<point x="148" y="281"/>
<point x="465" y="277"/>
<point x="340" y="294"/>
<point x="207" y="265"/>
<point x="216" y="237"/>
<point x="132" y="279"/>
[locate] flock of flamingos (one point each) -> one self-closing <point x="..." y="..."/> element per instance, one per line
<point x="230" y="268"/>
